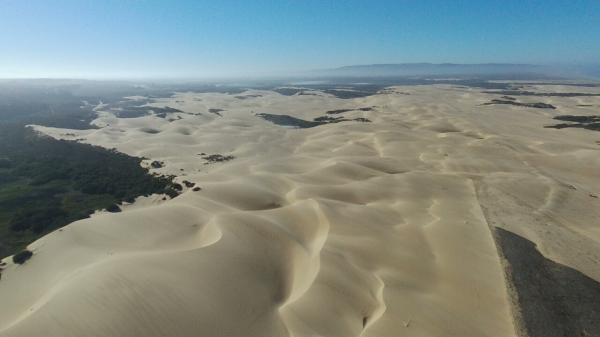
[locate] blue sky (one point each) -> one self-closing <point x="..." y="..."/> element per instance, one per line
<point x="138" y="38"/>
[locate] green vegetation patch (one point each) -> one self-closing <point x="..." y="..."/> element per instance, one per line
<point x="47" y="183"/>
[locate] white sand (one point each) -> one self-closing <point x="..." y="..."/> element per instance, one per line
<point x="349" y="229"/>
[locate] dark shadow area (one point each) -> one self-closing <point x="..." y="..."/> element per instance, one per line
<point x="582" y="122"/>
<point x="555" y="300"/>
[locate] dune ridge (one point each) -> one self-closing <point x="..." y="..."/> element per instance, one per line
<point x="346" y="229"/>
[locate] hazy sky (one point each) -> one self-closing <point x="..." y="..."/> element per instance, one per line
<point x="121" y="38"/>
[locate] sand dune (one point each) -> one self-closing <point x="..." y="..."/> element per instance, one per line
<point x="350" y="229"/>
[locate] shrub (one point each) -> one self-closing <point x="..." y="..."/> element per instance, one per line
<point x="22" y="256"/>
<point x="114" y="208"/>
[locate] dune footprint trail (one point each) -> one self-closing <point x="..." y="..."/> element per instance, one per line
<point x="348" y="229"/>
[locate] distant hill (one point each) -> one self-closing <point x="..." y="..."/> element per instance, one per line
<point x="500" y="70"/>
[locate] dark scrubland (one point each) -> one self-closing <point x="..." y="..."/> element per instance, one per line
<point x="574" y="121"/>
<point x="289" y="91"/>
<point x="541" y="94"/>
<point x="247" y="96"/>
<point x="554" y="300"/>
<point x="337" y="111"/>
<point x="140" y="111"/>
<point x="215" y="158"/>
<point x="347" y="88"/>
<point x="527" y="105"/>
<point x="47" y="183"/>
<point x="216" y="111"/>
<point x="286" y="120"/>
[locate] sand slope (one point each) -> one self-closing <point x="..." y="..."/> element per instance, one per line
<point x="349" y="229"/>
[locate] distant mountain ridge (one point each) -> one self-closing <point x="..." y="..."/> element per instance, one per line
<point x="423" y="69"/>
<point x="461" y="70"/>
<point x="421" y="65"/>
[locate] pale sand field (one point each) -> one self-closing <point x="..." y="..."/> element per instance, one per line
<point x="349" y="229"/>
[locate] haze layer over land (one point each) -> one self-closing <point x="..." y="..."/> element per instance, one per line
<point x="439" y="210"/>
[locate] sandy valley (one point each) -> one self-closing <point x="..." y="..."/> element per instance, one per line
<point x="427" y="212"/>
